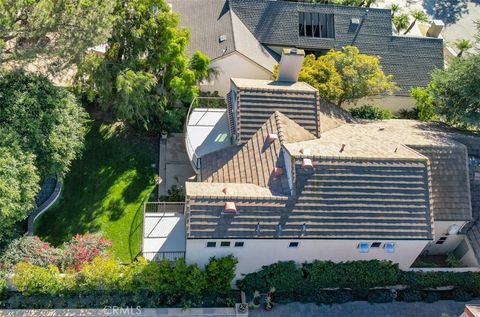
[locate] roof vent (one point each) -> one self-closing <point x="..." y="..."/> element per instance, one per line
<point x="277" y="171"/>
<point x="272" y="137"/>
<point x="381" y="128"/>
<point x="257" y="227"/>
<point x="355" y="21"/>
<point x="307" y="164"/>
<point x="279" y="227"/>
<point x="343" y="147"/>
<point x="227" y="191"/>
<point x="453" y="229"/>
<point x="304" y="228"/>
<point x="230" y="208"/>
<point x="222" y="38"/>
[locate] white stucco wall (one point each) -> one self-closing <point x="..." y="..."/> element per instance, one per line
<point x="392" y="103"/>
<point x="258" y="252"/>
<point x="452" y="241"/>
<point x="234" y="65"/>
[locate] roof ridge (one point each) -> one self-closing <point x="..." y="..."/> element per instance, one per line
<point x="278" y="122"/>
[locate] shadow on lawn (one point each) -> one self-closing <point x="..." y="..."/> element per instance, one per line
<point x="113" y="172"/>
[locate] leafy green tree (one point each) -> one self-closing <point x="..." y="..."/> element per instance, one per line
<point x="19" y="183"/>
<point x="145" y="76"/>
<point x="425" y="110"/>
<point x="220" y="273"/>
<point x="346" y="75"/>
<point x="46" y="120"/>
<point x="60" y="29"/>
<point x="455" y="92"/>
<point x="395" y="8"/>
<point x="401" y="21"/>
<point x="418" y="15"/>
<point x="462" y="46"/>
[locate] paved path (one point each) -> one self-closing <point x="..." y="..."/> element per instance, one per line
<point x="365" y="309"/>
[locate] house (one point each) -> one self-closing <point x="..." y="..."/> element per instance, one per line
<point x="245" y="38"/>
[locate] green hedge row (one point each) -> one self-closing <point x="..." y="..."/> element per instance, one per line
<point x="300" y="282"/>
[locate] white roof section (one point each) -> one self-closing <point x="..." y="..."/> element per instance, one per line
<point x="266" y="85"/>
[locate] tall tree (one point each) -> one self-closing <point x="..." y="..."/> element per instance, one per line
<point x="395" y="8"/>
<point x="462" y="46"/>
<point x="47" y="120"/>
<point x="18" y="183"/>
<point x="418" y="15"/>
<point x="455" y="92"/>
<point x="61" y="30"/>
<point x="145" y="75"/>
<point x="346" y="75"/>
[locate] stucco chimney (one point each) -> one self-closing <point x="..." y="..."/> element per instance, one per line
<point x="435" y="28"/>
<point x="290" y="64"/>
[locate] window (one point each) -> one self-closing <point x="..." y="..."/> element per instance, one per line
<point x="441" y="240"/>
<point x="376" y="245"/>
<point x="225" y="243"/>
<point x="239" y="244"/>
<point x="211" y="244"/>
<point x="363" y="247"/>
<point x="293" y="245"/>
<point x="389" y="247"/>
<point x="312" y="24"/>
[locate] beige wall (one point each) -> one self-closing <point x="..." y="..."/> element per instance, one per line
<point x="234" y="65"/>
<point x="392" y="103"/>
<point x="440" y="229"/>
<point x="259" y="252"/>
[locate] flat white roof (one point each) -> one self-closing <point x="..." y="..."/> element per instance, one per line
<point x="163" y="232"/>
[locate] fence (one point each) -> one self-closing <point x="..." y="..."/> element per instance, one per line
<point x="164" y="207"/>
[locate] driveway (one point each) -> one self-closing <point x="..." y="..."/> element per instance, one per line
<point x="365" y="309"/>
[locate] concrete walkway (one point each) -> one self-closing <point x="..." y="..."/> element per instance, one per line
<point x="365" y="309"/>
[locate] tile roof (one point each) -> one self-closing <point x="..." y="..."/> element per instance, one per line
<point x="208" y="20"/>
<point x="254" y="162"/>
<point x="409" y="59"/>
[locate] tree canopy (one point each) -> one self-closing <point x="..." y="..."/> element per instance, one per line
<point x="346" y="75"/>
<point x="18" y="183"/>
<point x="46" y="120"/>
<point x="145" y="75"/>
<point x="62" y="30"/>
<point x="452" y="95"/>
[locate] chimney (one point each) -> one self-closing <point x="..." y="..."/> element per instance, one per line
<point x="435" y="28"/>
<point x="290" y="64"/>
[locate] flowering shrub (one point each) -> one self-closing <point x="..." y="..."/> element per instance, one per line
<point x="82" y="249"/>
<point x="31" y="250"/>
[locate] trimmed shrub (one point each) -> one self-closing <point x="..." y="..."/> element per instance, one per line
<point x="380" y="296"/>
<point x="461" y="295"/>
<point x="431" y="296"/>
<point x="31" y="250"/>
<point x="82" y="249"/>
<point x="30" y="279"/>
<point x="370" y="112"/>
<point x="333" y="297"/>
<point x="410" y="295"/>
<point x="102" y="274"/>
<point x="219" y="273"/>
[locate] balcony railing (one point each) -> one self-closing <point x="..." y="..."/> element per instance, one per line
<point x="160" y="256"/>
<point x="204" y="103"/>
<point x="164" y="207"/>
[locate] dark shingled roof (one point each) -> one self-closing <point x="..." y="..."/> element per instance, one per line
<point x="409" y="59"/>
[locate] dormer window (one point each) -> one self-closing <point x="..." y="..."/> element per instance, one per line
<point x="230" y="208"/>
<point x="318" y="25"/>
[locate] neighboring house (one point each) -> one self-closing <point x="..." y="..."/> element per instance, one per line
<point x="299" y="179"/>
<point x="255" y="32"/>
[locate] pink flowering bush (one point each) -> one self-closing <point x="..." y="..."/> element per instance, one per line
<point x="83" y="249"/>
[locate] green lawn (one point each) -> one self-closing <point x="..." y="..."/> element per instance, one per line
<point x="105" y="190"/>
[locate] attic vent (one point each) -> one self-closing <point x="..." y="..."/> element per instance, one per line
<point x="307" y="164"/>
<point x="222" y="38"/>
<point x="230" y="208"/>
<point x="272" y="137"/>
<point x="277" y="171"/>
<point x="355" y="21"/>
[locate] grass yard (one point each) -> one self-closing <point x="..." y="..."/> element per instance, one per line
<point x="105" y="190"/>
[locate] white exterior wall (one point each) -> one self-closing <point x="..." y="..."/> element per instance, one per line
<point x="234" y="65"/>
<point x="440" y="229"/>
<point x="392" y="103"/>
<point x="258" y="252"/>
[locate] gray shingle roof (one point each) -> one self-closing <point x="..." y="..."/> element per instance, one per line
<point x="208" y="20"/>
<point x="409" y="59"/>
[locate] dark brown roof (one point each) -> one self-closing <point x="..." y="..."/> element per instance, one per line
<point x="254" y="162"/>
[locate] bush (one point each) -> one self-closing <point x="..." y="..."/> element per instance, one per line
<point x="219" y="273"/>
<point x="333" y="297"/>
<point x="408" y="114"/>
<point x="30" y="279"/>
<point x="410" y="296"/>
<point x="82" y="249"/>
<point x="431" y="296"/>
<point x="102" y="274"/>
<point x="3" y="285"/>
<point x="461" y="295"/>
<point x="31" y="250"/>
<point x="371" y="113"/>
<point x="380" y="296"/>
